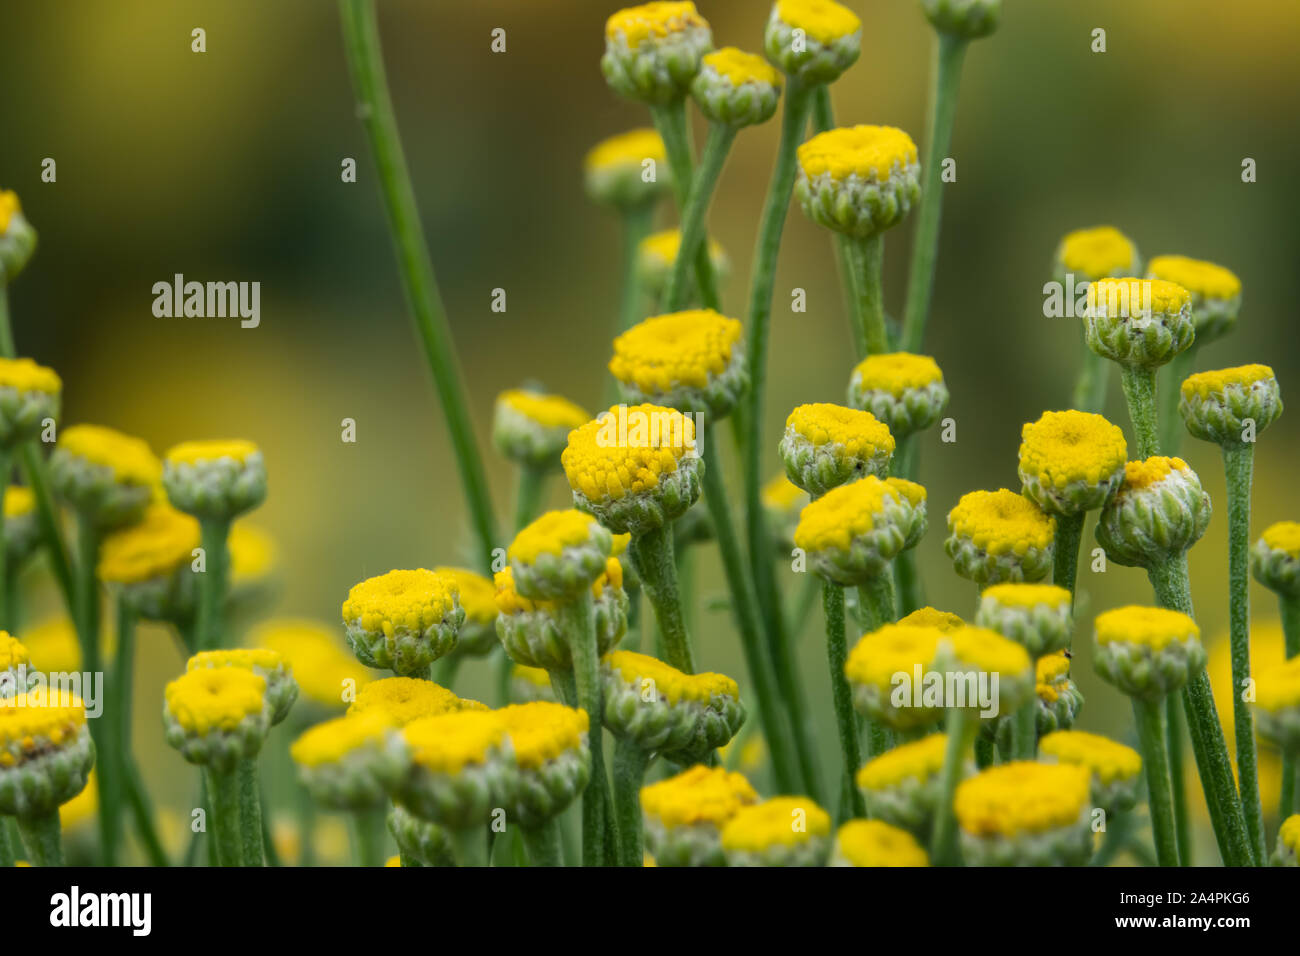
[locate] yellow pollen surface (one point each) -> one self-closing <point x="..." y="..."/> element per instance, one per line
<point x="448" y="743"/>
<point x="1095" y="253"/>
<point x="551" y="534"/>
<point x="131" y="460"/>
<point x="333" y="740"/>
<point x="652" y="21"/>
<point x="869" y="152"/>
<point x="876" y="843"/>
<point x="892" y="649"/>
<point x="860" y="433"/>
<point x="320" y="665"/>
<point x="918" y="761"/>
<point x="944" y="621"/>
<point x="542" y="731"/>
<point x="781" y="821"/>
<point x="1063" y="448"/>
<point x="1028" y="595"/>
<point x="245" y="657"/>
<point x="1129" y="297"/>
<point x="823" y="20"/>
<point x="677" y="349"/>
<point x="1144" y="474"/>
<point x="842" y="514"/>
<point x="12" y="653"/>
<point x="193" y="452"/>
<point x="405" y="699"/>
<point x="1278" y="687"/>
<point x="700" y="795"/>
<point x="605" y="465"/>
<point x="412" y="599"/>
<point x="211" y="699"/>
<point x="1201" y="278"/>
<point x="477" y="593"/>
<point x="536" y="676"/>
<point x="1205" y="384"/>
<point x="548" y="411"/>
<point x="990" y="652"/>
<point x="1152" y="627"/>
<point x="32" y="721"/>
<point x="1284" y="536"/>
<point x="741" y="67"/>
<point x="161" y="542"/>
<point x="1108" y="760"/>
<point x="1021" y="798"/>
<point x="1001" y="522"/>
<point x="897" y="372"/>
<point x="670" y="684"/>
<point x="24" y="375"/>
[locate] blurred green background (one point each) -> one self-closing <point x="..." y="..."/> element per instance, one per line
<point x="226" y="166"/>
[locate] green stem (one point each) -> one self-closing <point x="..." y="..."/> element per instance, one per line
<point x="1024" y="732"/>
<point x="142" y="815"/>
<point x="6" y="471"/>
<point x="961" y="730"/>
<point x="223" y="828"/>
<point x="529" y="496"/>
<point x="779" y="718"/>
<point x="1172" y="588"/>
<point x="578" y="622"/>
<point x="371" y="829"/>
<point x="445" y="670"/>
<point x="851" y="803"/>
<point x="1239" y="463"/>
<point x="670" y="121"/>
<point x="1290" y="608"/>
<point x="250" y="813"/>
<point x="43" y="836"/>
<point x="8" y="850"/>
<point x="375" y="109"/>
<point x="6" y="330"/>
<point x="869" y="334"/>
<point x="876" y="608"/>
<point x="630" y="762"/>
<point x="33" y="466"/>
<point x="637" y="221"/>
<point x="695" y="212"/>
<point x="949" y="53"/>
<point x="1119" y="826"/>
<point x="1176" y="738"/>
<point x="1172" y="428"/>
<point x="1090" y="387"/>
<point x="1151" y="737"/>
<point x="1065" y="563"/>
<point x="984" y="753"/>
<point x="209" y="633"/>
<point x="306" y="826"/>
<point x="823" y="119"/>
<point x="1140" y="393"/>
<point x="543" y="843"/>
<point x="653" y="555"/>
<point x="119" y="708"/>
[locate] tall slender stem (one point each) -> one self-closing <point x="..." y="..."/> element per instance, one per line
<point x="223" y="828"/>
<point x="210" y="627"/>
<point x="950" y="50"/>
<point x="630" y="762"/>
<point x="1140" y="393"/>
<point x="695" y="213"/>
<point x="653" y="554"/>
<point x="375" y="109"/>
<point x="33" y="466"/>
<point x="670" y="121"/>
<point x="1065" y="566"/>
<point x="579" y="624"/>
<point x="44" y="838"/>
<point x="961" y="730"/>
<point x="1172" y="428"/>
<point x="1091" y="385"/>
<point x="1239" y="465"/>
<point x="10" y="847"/>
<point x="6" y="329"/>
<point x="780" y="719"/>
<point x="1290" y="607"/>
<point x="823" y="119"/>
<point x="851" y="803"/>
<point x="369" y="830"/>
<point x="1151" y="735"/>
<point x="6" y="471"/>
<point x="543" y="843"/>
<point x="869" y="333"/>
<point x="1176" y="737"/>
<point x="250" y="813"/>
<point x="1024" y="732"/>
<point x="637" y="221"/>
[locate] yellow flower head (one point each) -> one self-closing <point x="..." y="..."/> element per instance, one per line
<point x="193" y="452"/>
<point x="1143" y="474"/>
<point x="19" y="501"/>
<point x="859" y="433"/>
<point x="848" y="512"/>
<point x="1283" y="536"/>
<point x="405" y="699"/>
<point x="12" y="653"/>
<point x="253" y="554"/>
<point x="1049" y="669"/>
<point x="1278" y="686"/>
<point x="666" y="352"/>
<point x="477" y="594"/>
<point x="871" y="153"/>
<point x="1129" y="297"/>
<point x="322" y="668"/>
<point x="33" y="722"/>
<point x="209" y="699"/>
<point x="536" y="676"/>
<point x="1094" y="254"/>
<point x="54" y="646"/>
<point x="990" y="652"/>
<point x="130" y="459"/>
<point x="1204" y="279"/>
<point x="919" y="760"/>
<point x="9" y="207"/>
<point x="161" y="542"/>
<point x="1151" y="627"/>
<point x="334" y="740"/>
<point x="822" y="20"/>
<point x="413" y="599"/>
<point x="1108" y="761"/>
<point x="780" y="821"/>
<point x="1001" y="522"/>
<point x="897" y="372"/>
<point x="783" y="495"/>
<point x="1288" y="835"/>
<point x="700" y="795"/>
<point x="1072" y="448"/>
<point x="652" y="21"/>
<point x="1208" y="384"/>
<point x="24" y="375"/>
<point x="548" y="411"/>
<point x="658" y="251"/>
<point x="740" y="67"/>
<point x="606" y="466"/>
<point x="875" y="843"/>
<point x="1022" y="797"/>
<point x="944" y="621"/>
<point x="1027" y="596"/>
<point x="542" y="731"/>
<point x="670" y="684"/>
<point x="893" y="649"/>
<point x="448" y="743"/>
<point x="551" y="534"/>
<point x="628" y="149"/>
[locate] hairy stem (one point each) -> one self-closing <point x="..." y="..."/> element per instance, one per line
<point x="653" y="554"/>
<point x="250" y="813"/>
<point x="630" y="762"/>
<point x="1090" y="387"/>
<point x="869" y="333"/>
<point x="851" y="804"/>
<point x="961" y="730"/>
<point x="1151" y="736"/>
<point x="223" y="828"/>
<point x="1172" y="428"/>
<point x="694" y="232"/>
<point x="543" y="843"/>
<point x="578" y="621"/>
<point x="1065" y="566"/>
<point x="1140" y="393"/>
<point x="43" y="836"/>
<point x="1290" y="607"/>
<point x="210" y="620"/>
<point x="670" y="121"/>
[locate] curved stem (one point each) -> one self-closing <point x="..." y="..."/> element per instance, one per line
<point x="1151" y="736"/>
<point x="653" y="554"/>
<point x="1090" y="387"/>
<point x="670" y="121"/>
<point x="1176" y="738"/>
<point x="1172" y="428"/>
<point x="578" y="622"/>
<point x="1239" y="465"/>
<point x="1140" y="394"/>
<point x="949" y="53"/>
<point x="870" y="336"/>
<point x="695" y="213"/>
<point x="1065" y="566"/>
<point x="779" y="718"/>
<point x="630" y="762"/>
<point x="43" y="836"/>
<point x="210" y="621"/>
<point x="33" y="466"/>
<point x="250" y="813"/>
<point x="223" y="828"/>
<point x="851" y="803"/>
<point x="543" y="843"/>
<point x="961" y="730"/>
<point x="375" y="109"/>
